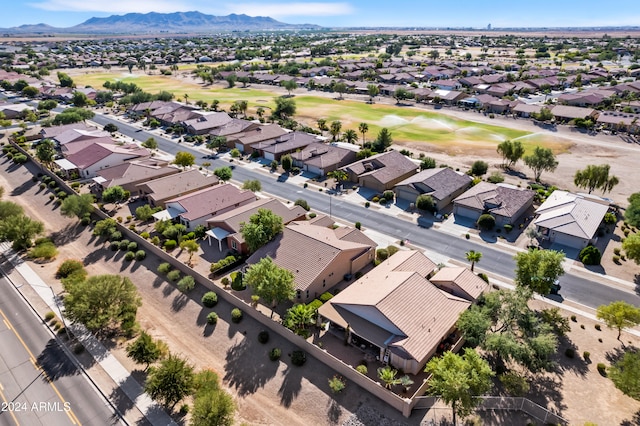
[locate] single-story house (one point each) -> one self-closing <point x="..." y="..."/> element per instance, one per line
<point x="525" y="110"/>
<point x="460" y="282"/>
<point x="132" y="173"/>
<point x="396" y="313"/>
<point x="245" y="141"/>
<point x="320" y="158"/>
<point x="287" y="143"/>
<point x="567" y="113"/>
<point x="504" y="202"/>
<point x="97" y="156"/>
<point x="158" y="191"/>
<point x="442" y="184"/>
<point x="382" y="171"/>
<point x="571" y="219"/>
<point x="207" y="121"/>
<point x="319" y="257"/>
<point x="12" y="111"/>
<point x="197" y="207"/>
<point x="54" y="131"/>
<point x="226" y="226"/>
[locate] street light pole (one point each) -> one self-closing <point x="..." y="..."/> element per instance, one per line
<point x="64" y="323"/>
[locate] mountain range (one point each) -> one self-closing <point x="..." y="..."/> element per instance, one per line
<point x="178" y="22"/>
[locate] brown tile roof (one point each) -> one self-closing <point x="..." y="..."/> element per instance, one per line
<point x="211" y="200"/>
<point x="233" y="127"/>
<point x="231" y="220"/>
<point x="461" y="277"/>
<point x="307" y="250"/>
<point x="439" y="183"/>
<point x="498" y="200"/>
<point x="53" y="131"/>
<point x="565" y="111"/>
<point x="98" y="151"/>
<point x="396" y="306"/>
<point x="209" y="121"/>
<point x="78" y="145"/>
<point x="135" y="171"/>
<point x="323" y="155"/>
<point x="171" y="186"/>
<point x="259" y="134"/>
<point x="384" y="167"/>
<point x="287" y="142"/>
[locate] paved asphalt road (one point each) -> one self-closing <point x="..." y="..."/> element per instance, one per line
<point x="577" y="289"/>
<point x="39" y="385"/>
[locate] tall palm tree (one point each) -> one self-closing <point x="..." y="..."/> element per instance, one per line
<point x="363" y="128"/>
<point x="473" y="257"/>
<point x="336" y="126"/>
<point x="186" y="98"/>
<point x="350" y="136"/>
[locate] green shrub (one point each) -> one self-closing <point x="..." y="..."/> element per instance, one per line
<point x="49" y="316"/>
<point x="358" y="225"/>
<point x="508" y="228"/>
<point x="616" y="260"/>
<point x="315" y="304"/>
<point x="486" y="222"/>
<point x="514" y="384"/>
<point x="115" y="236"/>
<point x="467" y="236"/>
<point x="426" y="203"/>
<point x="170" y="245"/>
<point x="141" y="254"/>
<point x="298" y="357"/>
<point x="186" y="284"/>
<point x="52" y="184"/>
<point x="570" y="353"/>
<point x="124" y="244"/>
<point x="597" y="327"/>
<point x="222" y="263"/>
<point x="263" y="337"/>
<point x="362" y="369"/>
<point x="237" y="281"/>
<point x="325" y="297"/>
<point x="209" y="299"/>
<point x="495" y="177"/>
<point x="132" y="246"/>
<point x="45" y="250"/>
<point x="375" y="199"/>
<point x="388" y="195"/>
<point x="382" y="254"/>
<point x="70" y="266"/>
<point x="302" y="203"/>
<point x="275" y="354"/>
<point x="616" y="251"/>
<point x="610" y="218"/>
<point x="586" y="355"/>
<point x="114" y="246"/>
<point x="42" y="185"/>
<point x="483" y="277"/>
<point x="602" y="369"/>
<point x="61" y="195"/>
<point x="574" y="318"/>
<point x="129" y="256"/>
<point x="164" y="268"/>
<point x="236" y="315"/>
<point x="337" y="384"/>
<point x="212" y="318"/>
<point x="85" y="221"/>
<point x="173" y="276"/>
<point x="155" y="240"/>
<point x="367" y="204"/>
<point x="392" y="250"/>
<point x="590" y="255"/>
<point x="479" y="168"/>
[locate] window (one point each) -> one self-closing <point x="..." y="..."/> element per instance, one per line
<point x="234" y="245"/>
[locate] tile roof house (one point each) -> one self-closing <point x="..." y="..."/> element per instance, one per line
<point x="571" y="219"/>
<point x="233" y="127"/>
<point x="567" y="113"/>
<point x="78" y="145"/>
<point x="203" y="124"/>
<point x="226" y="226"/>
<point x="319" y="257"/>
<point x="158" y="191"/>
<point x="197" y="207"/>
<point x="132" y="173"/>
<point x="274" y="149"/>
<point x="382" y="171"/>
<point x="442" y="184"/>
<point x="98" y="156"/>
<point x="320" y="158"/>
<point x="504" y="202"/>
<point x="54" y="131"/>
<point x="78" y="134"/>
<point x="246" y="140"/>
<point x="460" y="282"/>
<point x="395" y="310"/>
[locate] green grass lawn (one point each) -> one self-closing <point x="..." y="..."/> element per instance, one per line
<point x="407" y="124"/>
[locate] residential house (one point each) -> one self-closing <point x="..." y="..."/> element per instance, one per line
<point x="54" y="131"/>
<point x="396" y="313"/>
<point x="320" y="158"/>
<point x="226" y="226"/>
<point x="525" y="110"/>
<point x="12" y="111"/>
<point x="568" y="113"/>
<point x="206" y="122"/>
<point x="460" y="282"/>
<point x="98" y="156"/>
<point x="571" y="219"/>
<point x="506" y="203"/>
<point x="245" y="141"/>
<point x="130" y="174"/>
<point x="286" y="143"/>
<point x="234" y="127"/>
<point x="318" y="257"/>
<point x="197" y="207"/>
<point x="382" y="171"/>
<point x="618" y="121"/>
<point x="442" y="184"/>
<point x="158" y="191"/>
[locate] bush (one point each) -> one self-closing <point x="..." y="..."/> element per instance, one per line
<point x="237" y="281"/>
<point x="42" y="185"/>
<point x="164" y="268"/>
<point x="315" y="304"/>
<point x="598" y="327"/>
<point x="382" y="254"/>
<point x="573" y="318"/>
<point x="388" y="195"/>
<point x="486" y="222"/>
<point x="616" y="251"/>
<point x="49" y="316"/>
<point x="115" y="236"/>
<point x="325" y="297"/>
<point x="484" y="277"/>
<point x="337" y="384"/>
<point x="124" y="244"/>
<point x="173" y="276"/>
<point x="426" y="203"/>
<point x="186" y="284"/>
<point x="586" y="355"/>
<point x="302" y="203"/>
<point x="141" y="254"/>
<point x="590" y="255"/>
<point x="222" y="263"/>
<point x="236" y="315"/>
<point x="616" y="260"/>
<point x="275" y="354"/>
<point x="209" y="299"/>
<point x="602" y="369"/>
<point x="514" y="383"/>
<point x="392" y="250"/>
<point x="479" y="168"/>
<point x="358" y="225"/>
<point x="70" y="266"/>
<point x="298" y="357"/>
<point x="155" y="241"/>
<point x="170" y="245"/>
<point x="427" y="163"/>
<point x="129" y="256"/>
<point x="367" y="204"/>
<point x="508" y="228"/>
<point x="263" y="337"/>
<point x="85" y="221"/>
<point x="610" y="218"/>
<point x="570" y="353"/>
<point x="362" y="369"/>
<point x="212" y="318"/>
<point x="115" y="246"/>
<point x="45" y="250"/>
<point x="132" y="246"/>
<point x="495" y="177"/>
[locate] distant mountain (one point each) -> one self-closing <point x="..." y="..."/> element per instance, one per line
<point x="178" y="22"/>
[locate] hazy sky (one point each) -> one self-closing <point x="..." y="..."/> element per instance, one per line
<point x="341" y="13"/>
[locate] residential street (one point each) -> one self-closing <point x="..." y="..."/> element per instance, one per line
<point x="588" y="292"/>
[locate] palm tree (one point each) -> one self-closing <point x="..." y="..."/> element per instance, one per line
<point x="473" y="257"/>
<point x="322" y="125"/>
<point x="350" y="136"/>
<point x="363" y="128"/>
<point x="186" y="98"/>
<point x="388" y="376"/>
<point x="338" y="175"/>
<point x="336" y="126"/>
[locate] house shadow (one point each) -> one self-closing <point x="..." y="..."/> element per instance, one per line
<point x="248" y="367"/>
<point x="488" y="236"/>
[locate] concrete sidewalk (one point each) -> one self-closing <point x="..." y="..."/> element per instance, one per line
<point x="153" y="412"/>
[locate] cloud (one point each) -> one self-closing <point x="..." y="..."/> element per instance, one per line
<point x="292" y="9"/>
<point x="113" y="6"/>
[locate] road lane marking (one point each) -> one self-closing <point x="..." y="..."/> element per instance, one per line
<point x="70" y="413"/>
<point x="7" y="403"/>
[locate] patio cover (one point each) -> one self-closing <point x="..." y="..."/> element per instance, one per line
<point x="167" y="214"/>
<point x="65" y="164"/>
<point x="219" y="234"/>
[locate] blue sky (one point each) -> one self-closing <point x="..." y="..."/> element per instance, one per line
<point x="341" y="13"/>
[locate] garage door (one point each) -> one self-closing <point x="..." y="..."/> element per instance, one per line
<point x="405" y="194"/>
<point x="269" y="156"/>
<point x="567" y="240"/>
<point x="466" y="212"/>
